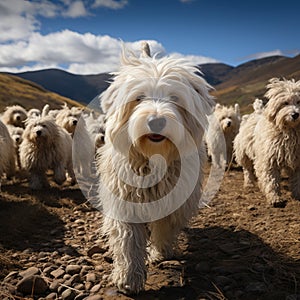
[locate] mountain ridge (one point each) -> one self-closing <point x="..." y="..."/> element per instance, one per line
<point x="240" y="84"/>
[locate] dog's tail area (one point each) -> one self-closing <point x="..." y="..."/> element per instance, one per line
<point x="145" y="49"/>
<point x="45" y="110"/>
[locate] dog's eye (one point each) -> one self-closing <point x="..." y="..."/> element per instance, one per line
<point x="173" y="98"/>
<point x="44" y="126"/>
<point x="140" y="98"/>
<point x="286" y="103"/>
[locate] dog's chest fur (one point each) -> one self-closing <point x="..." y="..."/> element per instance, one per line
<point x="286" y="147"/>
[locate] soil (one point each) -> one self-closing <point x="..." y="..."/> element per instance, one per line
<point x="236" y="248"/>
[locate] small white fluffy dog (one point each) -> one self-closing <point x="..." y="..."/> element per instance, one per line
<point x="46" y="146"/>
<point x="16" y="134"/>
<point x="34" y="113"/>
<point x="71" y="119"/>
<point x="226" y="120"/>
<point x="14" y="115"/>
<point x="269" y="141"/>
<point x="154" y="108"/>
<point x="7" y="155"/>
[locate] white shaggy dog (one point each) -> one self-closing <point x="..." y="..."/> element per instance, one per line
<point x="225" y="120"/>
<point x="71" y="119"/>
<point x="269" y="141"/>
<point x="7" y="155"/>
<point x="156" y="113"/>
<point x="33" y="113"/>
<point x="16" y="134"/>
<point x="46" y="146"/>
<point x="14" y="115"/>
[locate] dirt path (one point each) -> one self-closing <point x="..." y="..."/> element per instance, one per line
<point x="238" y="248"/>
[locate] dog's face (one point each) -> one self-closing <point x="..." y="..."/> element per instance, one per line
<point x="16" y="134"/>
<point x="40" y="130"/>
<point x="228" y="117"/>
<point x="68" y="118"/>
<point x="156" y="106"/>
<point x="34" y="113"/>
<point x="17" y="115"/>
<point x="283" y="108"/>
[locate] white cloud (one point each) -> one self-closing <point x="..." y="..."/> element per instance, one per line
<point x="76" y="9"/>
<point x="78" y="53"/>
<point x="275" y="52"/>
<point x="74" y="52"/>
<point x="23" y="48"/>
<point x="112" y="4"/>
<point x="197" y="59"/>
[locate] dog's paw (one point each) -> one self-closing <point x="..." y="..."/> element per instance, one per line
<point x="132" y="285"/>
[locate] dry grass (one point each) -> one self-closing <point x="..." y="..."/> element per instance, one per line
<point x="14" y="90"/>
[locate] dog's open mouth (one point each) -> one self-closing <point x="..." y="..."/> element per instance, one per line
<point x="154" y="137"/>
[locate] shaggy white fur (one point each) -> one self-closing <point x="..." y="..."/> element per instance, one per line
<point x="14" y="115"/>
<point x="33" y="113"/>
<point x="46" y="146"/>
<point x="16" y="134"/>
<point x="156" y="116"/>
<point x="269" y="141"/>
<point x="7" y="157"/>
<point x="224" y="123"/>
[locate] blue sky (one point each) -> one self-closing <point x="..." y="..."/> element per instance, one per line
<point x="84" y="36"/>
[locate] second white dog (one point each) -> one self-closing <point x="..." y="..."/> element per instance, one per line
<point x="46" y="146"/>
<point x="269" y="141"/>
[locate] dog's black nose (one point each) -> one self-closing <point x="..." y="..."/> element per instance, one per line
<point x="156" y="124"/>
<point x="102" y="138"/>
<point x="17" y="139"/>
<point x="75" y="122"/>
<point x="39" y="133"/>
<point x="228" y="123"/>
<point x="295" y="116"/>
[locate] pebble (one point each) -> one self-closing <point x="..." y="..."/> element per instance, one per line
<point x="57" y="273"/>
<point x="68" y="294"/>
<point x="73" y="269"/>
<point x="91" y="277"/>
<point x="33" y="284"/>
<point x="29" y="272"/>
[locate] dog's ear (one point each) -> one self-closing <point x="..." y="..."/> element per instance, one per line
<point x="218" y="106"/>
<point x="271" y="108"/>
<point x="237" y="109"/>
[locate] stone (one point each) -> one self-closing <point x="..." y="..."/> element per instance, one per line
<point x="32" y="285"/>
<point x="57" y="273"/>
<point x="95" y="249"/>
<point x="68" y="294"/>
<point x="29" y="272"/>
<point x="73" y="269"/>
<point x="91" y="277"/>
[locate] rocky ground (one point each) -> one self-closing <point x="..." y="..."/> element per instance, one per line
<point x="237" y="248"/>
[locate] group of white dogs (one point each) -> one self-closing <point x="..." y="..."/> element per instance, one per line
<point x="160" y="106"/>
<point x="265" y="143"/>
<point x="37" y="141"/>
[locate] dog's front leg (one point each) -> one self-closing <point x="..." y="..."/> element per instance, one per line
<point x="269" y="182"/>
<point x="38" y="180"/>
<point x="128" y="244"/>
<point x="59" y="173"/>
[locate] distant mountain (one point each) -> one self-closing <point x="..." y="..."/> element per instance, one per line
<point x="82" y="88"/>
<point x="16" y="90"/>
<point x="241" y="84"/>
<point x="215" y="73"/>
<point x="248" y="81"/>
